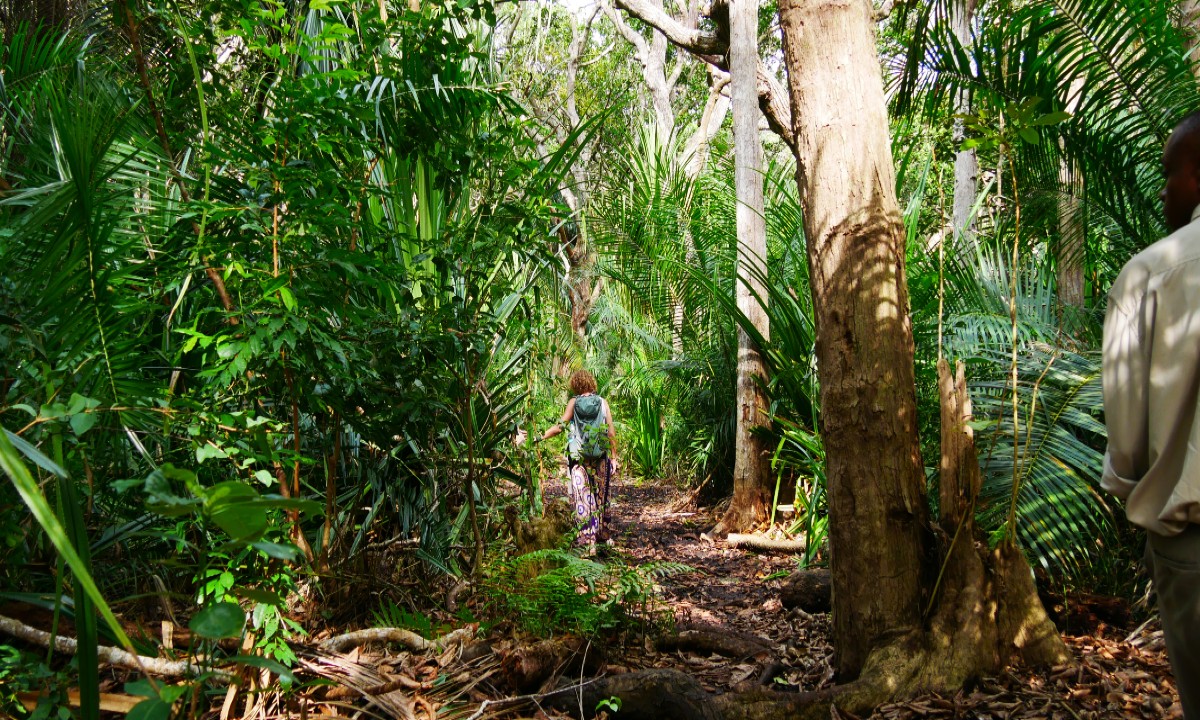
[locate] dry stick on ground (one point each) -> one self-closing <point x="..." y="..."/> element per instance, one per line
<point x="766" y="544"/>
<point x="110" y="655"/>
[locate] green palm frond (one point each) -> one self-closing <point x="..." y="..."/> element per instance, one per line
<point x="1059" y="509"/>
<point x="82" y="236"/>
<point x="1119" y="69"/>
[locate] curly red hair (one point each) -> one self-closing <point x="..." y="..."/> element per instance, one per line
<point x="582" y="382"/>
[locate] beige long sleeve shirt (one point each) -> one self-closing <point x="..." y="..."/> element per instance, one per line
<point x="1151" y="378"/>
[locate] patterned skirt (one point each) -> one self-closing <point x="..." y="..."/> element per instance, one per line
<point x="584" y="479"/>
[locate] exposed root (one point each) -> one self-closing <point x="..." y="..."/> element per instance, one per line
<point x="399" y="636"/>
<point x="721" y="641"/>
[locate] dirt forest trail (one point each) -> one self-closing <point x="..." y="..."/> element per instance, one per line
<point x="733" y="600"/>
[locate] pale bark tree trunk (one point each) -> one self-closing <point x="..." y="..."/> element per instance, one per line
<point x="660" y="83"/>
<point x="885" y="625"/>
<point x="712" y="47"/>
<point x="1069" y="251"/>
<point x="966" y="163"/>
<point x="1189" y="11"/>
<point x="652" y="55"/>
<point x="583" y="288"/>
<point x="876" y="483"/>
<point x="750" y="469"/>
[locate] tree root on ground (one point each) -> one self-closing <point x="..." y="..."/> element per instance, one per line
<point x="529" y="667"/>
<point x="399" y="636"/>
<point x="721" y="641"/>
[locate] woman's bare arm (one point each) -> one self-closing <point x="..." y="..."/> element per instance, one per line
<point x="566" y="418"/>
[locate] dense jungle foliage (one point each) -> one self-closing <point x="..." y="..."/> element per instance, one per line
<point x="283" y="280"/>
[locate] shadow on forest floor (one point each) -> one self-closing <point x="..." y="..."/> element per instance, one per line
<point x="1122" y="672"/>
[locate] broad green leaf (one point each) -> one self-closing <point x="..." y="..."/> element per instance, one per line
<point x="289" y="300"/>
<point x="219" y="620"/>
<point x="233" y="506"/>
<point x="287" y="553"/>
<point x="209" y="450"/>
<point x="82" y="422"/>
<point x="276" y="502"/>
<point x="151" y="708"/>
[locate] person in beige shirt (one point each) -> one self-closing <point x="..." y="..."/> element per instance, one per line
<point x="1151" y="378"/>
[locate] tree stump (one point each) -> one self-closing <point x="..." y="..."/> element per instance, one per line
<point x="808" y="590"/>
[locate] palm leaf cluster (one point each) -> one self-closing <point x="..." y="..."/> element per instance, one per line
<point x="1121" y="75"/>
<point x="374" y="210"/>
<point x="1057" y="501"/>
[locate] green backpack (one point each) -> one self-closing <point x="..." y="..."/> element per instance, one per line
<point x="588" y="434"/>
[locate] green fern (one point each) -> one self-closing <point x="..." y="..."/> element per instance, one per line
<point x="577" y="595"/>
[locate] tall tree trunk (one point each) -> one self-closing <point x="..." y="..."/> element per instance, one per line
<point x="1069" y="251"/>
<point x="876" y="483"/>
<point x="583" y="287"/>
<point x="966" y="163"/>
<point x="906" y="618"/>
<point x="1189" y="11"/>
<point x="750" y="476"/>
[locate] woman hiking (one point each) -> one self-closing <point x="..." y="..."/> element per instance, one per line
<point x="591" y="455"/>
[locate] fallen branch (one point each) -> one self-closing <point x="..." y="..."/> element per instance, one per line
<point x="400" y="636"/>
<point x="758" y="542"/>
<point x="109" y="655"/>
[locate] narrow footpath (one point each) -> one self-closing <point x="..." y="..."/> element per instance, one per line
<point x="735" y="594"/>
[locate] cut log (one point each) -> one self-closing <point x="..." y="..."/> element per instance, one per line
<point x="765" y="544"/>
<point x="808" y="590"/>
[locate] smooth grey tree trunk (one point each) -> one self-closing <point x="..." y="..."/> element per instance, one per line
<point x="750" y="476"/>
<point x="966" y="163"/>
